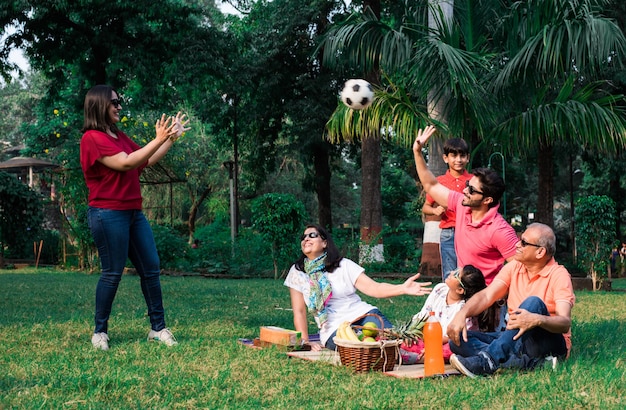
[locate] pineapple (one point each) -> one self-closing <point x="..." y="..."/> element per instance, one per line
<point x="410" y="332"/>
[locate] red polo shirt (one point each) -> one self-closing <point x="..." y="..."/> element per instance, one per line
<point x="448" y="218"/>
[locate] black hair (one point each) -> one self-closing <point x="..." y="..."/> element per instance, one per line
<point x="492" y="184"/>
<point x="474" y="281"/>
<point x="456" y="146"/>
<point x="333" y="256"/>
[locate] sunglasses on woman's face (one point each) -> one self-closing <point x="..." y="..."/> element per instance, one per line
<point x="117" y="102"/>
<point x="311" y="235"/>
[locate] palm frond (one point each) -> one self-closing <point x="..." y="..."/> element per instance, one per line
<point x="568" y="37"/>
<point x="391" y="116"/>
<point x="587" y="117"/>
<point x="366" y="42"/>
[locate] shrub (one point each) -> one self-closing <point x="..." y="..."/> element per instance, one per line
<point x="21" y="216"/>
<point x="595" y="233"/>
<point x="279" y="218"/>
<point x="249" y="257"/>
<point x="172" y="248"/>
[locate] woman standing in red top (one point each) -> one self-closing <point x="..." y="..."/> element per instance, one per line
<point x="111" y="163"/>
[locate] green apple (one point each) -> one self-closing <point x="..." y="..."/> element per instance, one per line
<point x="369" y="339"/>
<point x="370" y="329"/>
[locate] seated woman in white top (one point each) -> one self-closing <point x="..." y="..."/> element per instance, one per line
<point x="324" y="283"/>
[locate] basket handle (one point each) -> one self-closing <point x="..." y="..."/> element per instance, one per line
<point x="380" y="319"/>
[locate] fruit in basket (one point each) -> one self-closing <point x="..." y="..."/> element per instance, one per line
<point x="345" y="331"/>
<point x="341" y="332"/>
<point x="370" y="329"/>
<point x="369" y="339"/>
<point x="350" y="333"/>
<point x="409" y="332"/>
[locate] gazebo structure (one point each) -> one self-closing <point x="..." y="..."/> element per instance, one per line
<point x="25" y="167"/>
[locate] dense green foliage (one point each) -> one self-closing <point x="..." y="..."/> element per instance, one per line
<point x="21" y="216"/>
<point x="526" y="79"/>
<point x="279" y="218"/>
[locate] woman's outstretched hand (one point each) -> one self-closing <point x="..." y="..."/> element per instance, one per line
<point x="180" y="121"/>
<point x="165" y="128"/>
<point x="411" y="287"/>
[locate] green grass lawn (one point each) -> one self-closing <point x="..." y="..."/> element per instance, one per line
<point x="47" y="361"/>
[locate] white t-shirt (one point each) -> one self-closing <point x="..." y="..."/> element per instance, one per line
<point x="436" y="302"/>
<point x="344" y="304"/>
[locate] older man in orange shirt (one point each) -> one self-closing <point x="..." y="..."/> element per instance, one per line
<point x="540" y="297"/>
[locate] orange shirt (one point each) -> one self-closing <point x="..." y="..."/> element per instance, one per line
<point x="553" y="284"/>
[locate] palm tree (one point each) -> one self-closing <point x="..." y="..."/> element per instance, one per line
<point x="427" y="70"/>
<point x="368" y="62"/>
<point x="554" y="55"/>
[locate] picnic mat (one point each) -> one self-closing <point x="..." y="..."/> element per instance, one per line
<point x="412" y="371"/>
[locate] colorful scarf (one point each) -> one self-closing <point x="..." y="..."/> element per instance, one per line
<point x="320" y="289"/>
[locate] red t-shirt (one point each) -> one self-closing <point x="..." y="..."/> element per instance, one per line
<point x="109" y="189"/>
<point x="448" y="218"/>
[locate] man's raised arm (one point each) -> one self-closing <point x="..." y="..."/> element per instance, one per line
<point x="427" y="178"/>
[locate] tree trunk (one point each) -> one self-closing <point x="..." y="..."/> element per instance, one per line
<point x="191" y="221"/>
<point x="545" y="185"/>
<point x="322" y="184"/>
<point x="371" y="202"/>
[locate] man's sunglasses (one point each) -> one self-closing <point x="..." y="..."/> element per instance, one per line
<point x="117" y="102"/>
<point x="471" y="189"/>
<point x="525" y="244"/>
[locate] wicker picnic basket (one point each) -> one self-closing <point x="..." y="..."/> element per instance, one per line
<point x="381" y="355"/>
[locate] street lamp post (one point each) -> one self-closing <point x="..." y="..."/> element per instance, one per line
<point x="503" y="178"/>
<point x="233" y="101"/>
<point x="230" y="165"/>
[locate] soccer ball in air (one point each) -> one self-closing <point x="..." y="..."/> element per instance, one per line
<point x="357" y="94"/>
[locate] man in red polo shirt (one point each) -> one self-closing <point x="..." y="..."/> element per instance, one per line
<point x="482" y="237"/>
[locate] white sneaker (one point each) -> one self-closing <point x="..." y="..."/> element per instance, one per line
<point x="552" y="361"/>
<point x="163" y="336"/>
<point x="100" y="341"/>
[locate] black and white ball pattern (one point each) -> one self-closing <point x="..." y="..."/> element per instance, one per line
<point x="357" y="94"/>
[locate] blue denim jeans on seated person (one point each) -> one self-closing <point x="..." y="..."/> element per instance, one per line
<point x="525" y="352"/>
<point x="448" y="254"/>
<point x="120" y="235"/>
<point x="332" y="346"/>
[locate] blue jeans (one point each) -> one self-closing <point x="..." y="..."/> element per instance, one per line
<point x="332" y="346"/>
<point x="448" y="254"/>
<point x="120" y="235"/>
<point x="523" y="353"/>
